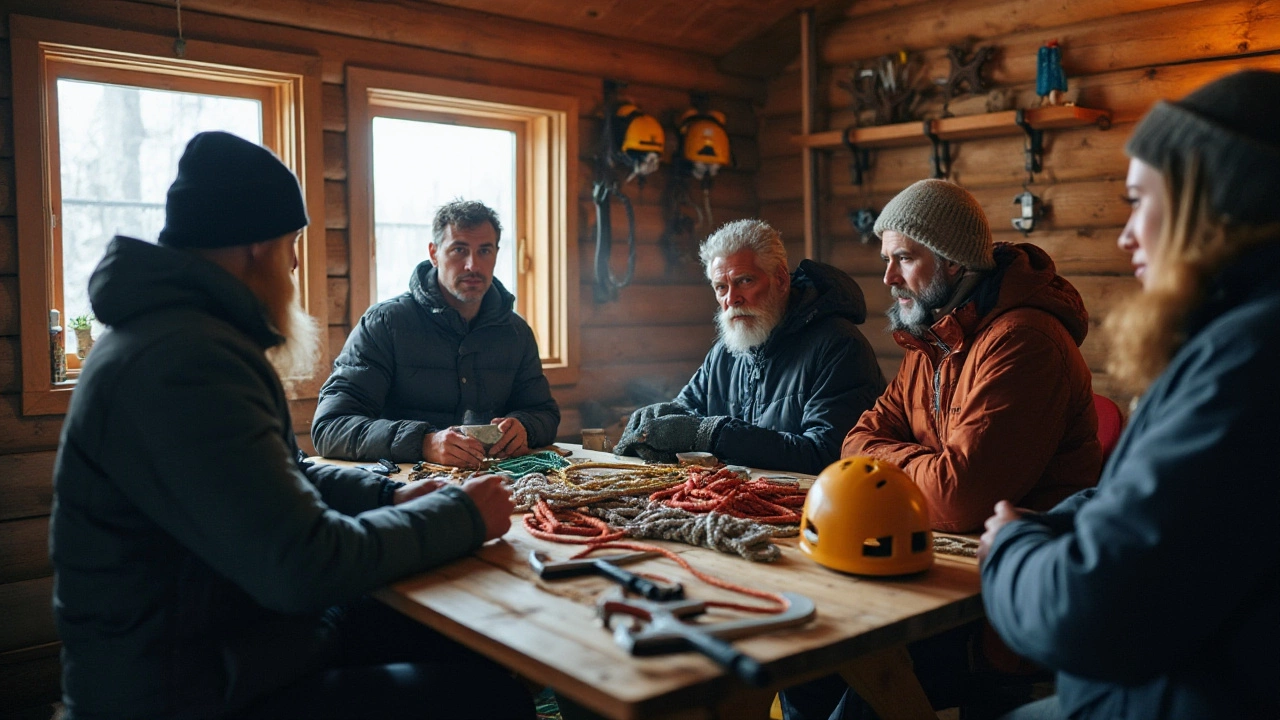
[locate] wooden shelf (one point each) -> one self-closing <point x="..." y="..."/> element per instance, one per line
<point x="967" y="127"/>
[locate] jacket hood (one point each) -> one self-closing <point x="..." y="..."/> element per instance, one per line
<point x="1025" y="277"/>
<point x="498" y="303"/>
<point x="136" y="278"/>
<point x="1255" y="273"/>
<point x="818" y="291"/>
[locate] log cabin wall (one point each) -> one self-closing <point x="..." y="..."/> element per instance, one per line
<point x="1121" y="56"/>
<point x="659" y="329"/>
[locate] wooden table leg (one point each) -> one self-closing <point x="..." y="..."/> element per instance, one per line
<point x="886" y="680"/>
<point x="746" y="703"/>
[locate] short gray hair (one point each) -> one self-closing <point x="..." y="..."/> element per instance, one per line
<point x="754" y="235"/>
<point x="464" y="214"/>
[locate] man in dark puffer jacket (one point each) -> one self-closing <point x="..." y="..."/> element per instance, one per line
<point x="449" y="351"/>
<point x="202" y="570"/>
<point x="790" y="374"/>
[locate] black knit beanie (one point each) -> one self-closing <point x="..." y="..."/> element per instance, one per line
<point x="1230" y="126"/>
<point x="229" y="192"/>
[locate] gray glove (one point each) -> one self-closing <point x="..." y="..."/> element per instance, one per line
<point x="649" y="412"/>
<point x="659" y="438"/>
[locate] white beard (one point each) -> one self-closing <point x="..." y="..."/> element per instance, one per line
<point x="741" y="330"/>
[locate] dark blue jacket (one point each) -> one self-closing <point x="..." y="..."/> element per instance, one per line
<point x="792" y="400"/>
<point x="414" y="366"/>
<point x="193" y="554"/>
<point x="1157" y="594"/>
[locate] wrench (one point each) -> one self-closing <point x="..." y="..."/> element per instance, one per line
<point x="608" y="566"/>
<point x="664" y="630"/>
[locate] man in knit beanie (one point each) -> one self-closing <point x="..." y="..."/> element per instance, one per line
<point x="993" y="398"/>
<point x="203" y="568"/>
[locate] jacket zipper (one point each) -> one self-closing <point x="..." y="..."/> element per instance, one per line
<point x="937" y="378"/>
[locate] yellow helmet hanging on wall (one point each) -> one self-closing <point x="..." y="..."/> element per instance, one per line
<point x="641" y="133"/>
<point x="866" y="516"/>
<point x="705" y="141"/>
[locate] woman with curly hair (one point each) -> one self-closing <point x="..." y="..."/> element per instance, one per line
<point x="1157" y="593"/>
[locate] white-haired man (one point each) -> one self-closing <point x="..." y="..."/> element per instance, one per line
<point x="790" y="373"/>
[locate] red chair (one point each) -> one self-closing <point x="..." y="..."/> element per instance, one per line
<point x="1110" y="423"/>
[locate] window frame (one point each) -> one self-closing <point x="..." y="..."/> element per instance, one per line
<point x="546" y="240"/>
<point x="44" y="50"/>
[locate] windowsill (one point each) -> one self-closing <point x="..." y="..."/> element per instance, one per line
<point x="53" y="401"/>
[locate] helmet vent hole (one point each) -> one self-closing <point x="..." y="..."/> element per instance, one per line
<point x="810" y="533"/>
<point x="878" y="547"/>
<point x="919" y="541"/>
<point x="881" y="484"/>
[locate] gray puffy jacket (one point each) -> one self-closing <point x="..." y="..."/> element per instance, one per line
<point x="792" y="400"/>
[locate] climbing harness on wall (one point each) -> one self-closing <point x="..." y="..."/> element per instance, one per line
<point x="704" y="150"/>
<point x="631" y="144"/>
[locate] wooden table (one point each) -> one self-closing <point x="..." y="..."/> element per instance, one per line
<point x="547" y="631"/>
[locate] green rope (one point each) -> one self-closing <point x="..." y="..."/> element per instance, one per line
<point x="539" y="462"/>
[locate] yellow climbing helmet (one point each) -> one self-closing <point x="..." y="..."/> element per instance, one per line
<point x="641" y="133"/>
<point x="866" y="516"/>
<point x="705" y="140"/>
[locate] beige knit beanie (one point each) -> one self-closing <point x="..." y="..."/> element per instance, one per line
<point x="943" y="217"/>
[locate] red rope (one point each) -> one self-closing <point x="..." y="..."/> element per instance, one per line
<point x="578" y="528"/>
<point x="726" y="492"/>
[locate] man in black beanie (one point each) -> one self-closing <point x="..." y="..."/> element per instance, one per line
<point x="202" y="568"/>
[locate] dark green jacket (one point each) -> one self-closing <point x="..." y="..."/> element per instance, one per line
<point x="193" y="553"/>
<point x="792" y="399"/>
<point x="413" y="366"/>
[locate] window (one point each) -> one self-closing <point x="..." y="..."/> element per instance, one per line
<point x="414" y="143"/>
<point x="100" y="120"/>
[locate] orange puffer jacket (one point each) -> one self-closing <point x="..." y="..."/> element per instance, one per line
<point x="996" y="401"/>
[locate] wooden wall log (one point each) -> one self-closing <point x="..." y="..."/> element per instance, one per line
<point x="335" y="205"/>
<point x="337" y="338"/>
<point x="24" y="549"/>
<point x="333" y="107"/>
<point x="6" y="69"/>
<point x="26" y="433"/>
<point x="611" y="382"/>
<point x="27" y="609"/>
<point x="31" y="677"/>
<point x="27" y="490"/>
<point x="937" y="24"/>
<point x="335" y="155"/>
<point x="650" y="305"/>
<point x="337" y="258"/>
<point x="608" y="345"/>
<point x="339" y="300"/>
<point x="8" y="246"/>
<point x="512" y="41"/>
<point x="731" y="189"/>
<point x="8" y="198"/>
<point x="6" y="128"/>
<point x="10" y="364"/>
<point x="1159" y="36"/>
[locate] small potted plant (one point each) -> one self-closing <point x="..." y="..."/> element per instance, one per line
<point x="83" y="326"/>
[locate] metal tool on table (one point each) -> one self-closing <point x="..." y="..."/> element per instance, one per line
<point x="608" y="567"/>
<point x="384" y="467"/>
<point x="664" y="629"/>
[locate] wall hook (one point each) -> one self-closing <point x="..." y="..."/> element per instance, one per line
<point x="1034" y="148"/>
<point x="941" y="157"/>
<point x="861" y="161"/>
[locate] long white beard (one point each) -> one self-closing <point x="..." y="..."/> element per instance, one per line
<point x="741" y="330"/>
<point x="298" y="356"/>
